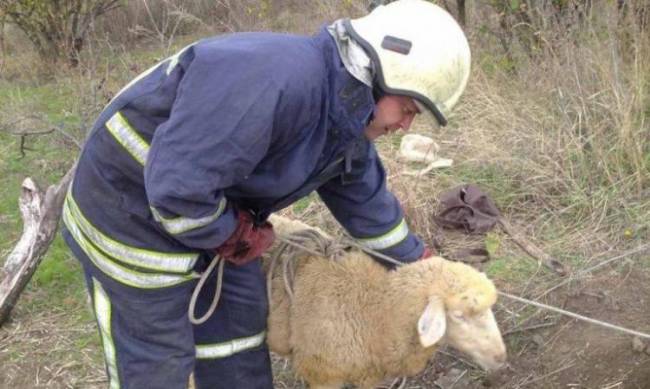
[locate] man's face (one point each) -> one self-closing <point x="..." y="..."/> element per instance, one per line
<point x="392" y="112"/>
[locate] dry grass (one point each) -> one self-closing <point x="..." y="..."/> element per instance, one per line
<point x="563" y="141"/>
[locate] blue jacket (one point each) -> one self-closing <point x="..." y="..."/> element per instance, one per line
<point x="252" y="120"/>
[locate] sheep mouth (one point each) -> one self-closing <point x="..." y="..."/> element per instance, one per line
<point x="492" y="364"/>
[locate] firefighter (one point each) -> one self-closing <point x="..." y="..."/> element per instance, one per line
<point x="191" y="157"/>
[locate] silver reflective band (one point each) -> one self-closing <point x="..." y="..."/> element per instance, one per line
<point x="120" y="128"/>
<point x="138" y="78"/>
<point x="103" y="313"/>
<point x="173" y="60"/>
<point x="389" y="239"/>
<point x="115" y="271"/>
<point x="154" y="260"/>
<point x="181" y="224"/>
<point x="226" y="349"/>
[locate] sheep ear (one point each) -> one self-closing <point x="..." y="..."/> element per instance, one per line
<point x="432" y="323"/>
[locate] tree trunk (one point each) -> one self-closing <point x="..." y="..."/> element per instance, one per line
<point x="41" y="212"/>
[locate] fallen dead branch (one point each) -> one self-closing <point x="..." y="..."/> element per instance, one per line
<point x="532" y="250"/>
<point x="35" y="119"/>
<point x="41" y="211"/>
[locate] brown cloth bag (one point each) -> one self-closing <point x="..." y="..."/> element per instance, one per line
<point x="467" y="207"/>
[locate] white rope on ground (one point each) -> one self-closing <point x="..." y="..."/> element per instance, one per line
<point x="513" y="297"/>
<point x="576" y="316"/>
<point x="584" y="272"/>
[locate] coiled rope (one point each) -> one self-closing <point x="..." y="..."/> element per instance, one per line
<point x="306" y="240"/>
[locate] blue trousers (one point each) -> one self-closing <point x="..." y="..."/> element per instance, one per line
<point x="149" y="342"/>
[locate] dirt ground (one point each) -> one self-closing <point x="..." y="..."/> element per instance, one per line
<point x="580" y="355"/>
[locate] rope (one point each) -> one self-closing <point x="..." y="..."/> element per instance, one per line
<point x="535" y="303"/>
<point x="581" y="273"/>
<point x="329" y="248"/>
<point x="286" y="251"/>
<point x="576" y="316"/>
<point x="197" y="290"/>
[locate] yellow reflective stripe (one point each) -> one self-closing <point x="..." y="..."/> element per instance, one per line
<point x="389" y="239"/>
<point x="181" y="224"/>
<point x="103" y="313"/>
<point x="122" y="131"/>
<point x="226" y="349"/>
<point x="154" y="260"/>
<point x="116" y="271"/>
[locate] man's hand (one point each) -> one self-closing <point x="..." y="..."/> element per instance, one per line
<point x="248" y="241"/>
<point x="428" y="253"/>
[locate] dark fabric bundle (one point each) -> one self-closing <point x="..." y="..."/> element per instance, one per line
<point x="467" y="207"/>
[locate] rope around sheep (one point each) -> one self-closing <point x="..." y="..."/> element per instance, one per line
<point x="329" y="248"/>
<point x="300" y="240"/>
<point x="351" y="242"/>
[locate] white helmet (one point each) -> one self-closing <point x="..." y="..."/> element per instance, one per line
<point x="418" y="50"/>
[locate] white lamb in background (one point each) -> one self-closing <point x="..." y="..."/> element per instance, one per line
<point x="352" y="321"/>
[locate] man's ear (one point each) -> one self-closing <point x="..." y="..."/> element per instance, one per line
<point x="432" y="323"/>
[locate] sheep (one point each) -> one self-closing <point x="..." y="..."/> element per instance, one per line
<point x="352" y="321"/>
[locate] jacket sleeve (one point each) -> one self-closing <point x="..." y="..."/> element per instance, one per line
<point x="370" y="212"/>
<point x="219" y="129"/>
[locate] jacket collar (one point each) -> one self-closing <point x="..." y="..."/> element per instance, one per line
<point x="350" y="101"/>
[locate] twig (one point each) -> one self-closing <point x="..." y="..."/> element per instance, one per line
<point x="612" y="386"/>
<point x="547" y="375"/>
<point x="532" y="250"/>
<point x="458" y="379"/>
<point x="23" y="134"/>
<point x="37" y="132"/>
<point x="529" y="328"/>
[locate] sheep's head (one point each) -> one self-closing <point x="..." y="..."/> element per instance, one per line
<point x="462" y="314"/>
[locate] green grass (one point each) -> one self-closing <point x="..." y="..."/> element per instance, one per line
<point x="301" y="205"/>
<point x="511" y="269"/>
<point x="53" y="99"/>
